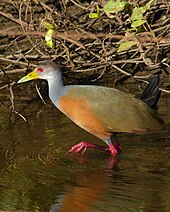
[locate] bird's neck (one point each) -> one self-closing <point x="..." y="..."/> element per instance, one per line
<point x="56" y="89"/>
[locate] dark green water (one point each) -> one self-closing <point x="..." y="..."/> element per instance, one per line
<point x="36" y="174"/>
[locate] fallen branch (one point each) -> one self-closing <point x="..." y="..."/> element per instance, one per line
<point x="10" y="17"/>
<point x="16" y="62"/>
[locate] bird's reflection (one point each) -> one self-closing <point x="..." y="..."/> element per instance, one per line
<point x="89" y="191"/>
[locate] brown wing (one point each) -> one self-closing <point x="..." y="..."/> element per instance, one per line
<point x="99" y="109"/>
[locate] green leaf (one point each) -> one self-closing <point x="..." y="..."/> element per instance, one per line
<point x="49" y="25"/>
<point x="126" y="45"/>
<point x="95" y="15"/>
<point x="50" y="32"/>
<point x="136" y="14"/>
<point x="48" y="38"/>
<point x="114" y="6"/>
<point x="146" y="7"/>
<point x="137" y="23"/>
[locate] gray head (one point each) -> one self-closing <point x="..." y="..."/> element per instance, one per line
<point x="47" y="70"/>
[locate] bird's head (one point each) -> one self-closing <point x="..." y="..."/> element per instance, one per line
<point x="46" y="71"/>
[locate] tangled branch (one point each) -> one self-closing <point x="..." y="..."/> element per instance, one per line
<point x="84" y="45"/>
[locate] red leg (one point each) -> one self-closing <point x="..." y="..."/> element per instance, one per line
<point x="113" y="146"/>
<point x="115" y="143"/>
<point x="118" y="147"/>
<point x="113" y="150"/>
<point x="82" y="146"/>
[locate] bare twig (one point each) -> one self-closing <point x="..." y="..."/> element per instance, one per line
<point x="15" y="62"/>
<point x="14" y="71"/>
<point x="120" y="70"/>
<point x="10" y="17"/>
<point x="78" y="5"/>
<point x="39" y="94"/>
<point x="12" y="101"/>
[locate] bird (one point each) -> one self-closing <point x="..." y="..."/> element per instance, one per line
<point x="102" y="111"/>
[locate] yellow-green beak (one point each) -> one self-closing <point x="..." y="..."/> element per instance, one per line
<point x="28" y="77"/>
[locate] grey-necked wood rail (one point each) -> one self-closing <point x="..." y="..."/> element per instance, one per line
<point x="101" y="111"/>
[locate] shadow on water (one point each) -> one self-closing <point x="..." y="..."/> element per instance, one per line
<point x="36" y="174"/>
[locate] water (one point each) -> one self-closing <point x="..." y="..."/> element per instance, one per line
<point x="36" y="174"/>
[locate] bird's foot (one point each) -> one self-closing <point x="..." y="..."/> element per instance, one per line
<point x="114" y="150"/>
<point x="82" y="146"/>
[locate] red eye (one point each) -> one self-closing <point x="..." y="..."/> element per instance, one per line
<point x="40" y="69"/>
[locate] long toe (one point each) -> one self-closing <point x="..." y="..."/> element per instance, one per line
<point x="80" y="147"/>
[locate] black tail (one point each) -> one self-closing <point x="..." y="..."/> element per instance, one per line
<point x="151" y="94"/>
